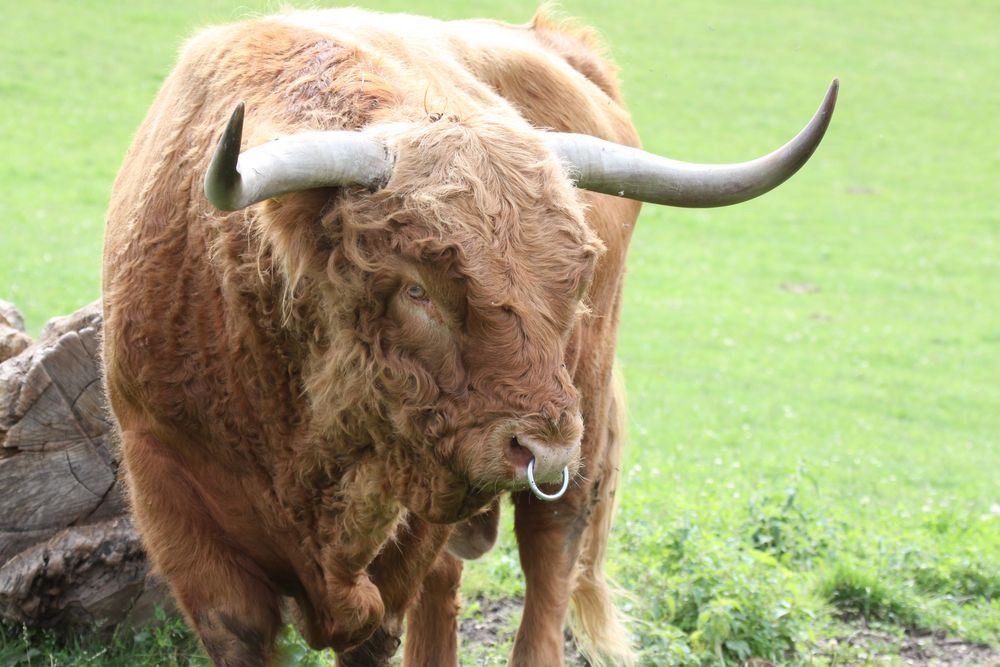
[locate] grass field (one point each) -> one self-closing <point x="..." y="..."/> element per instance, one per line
<point x="814" y="376"/>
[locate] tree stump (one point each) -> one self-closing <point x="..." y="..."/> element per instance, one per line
<point x="13" y="339"/>
<point x="69" y="555"/>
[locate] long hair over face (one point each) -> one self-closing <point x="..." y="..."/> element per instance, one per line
<point x="479" y="219"/>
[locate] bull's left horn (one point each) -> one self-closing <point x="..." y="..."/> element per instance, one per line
<point x="296" y="162"/>
<point x="613" y="169"/>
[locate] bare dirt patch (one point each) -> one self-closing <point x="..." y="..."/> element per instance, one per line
<point x="487" y="633"/>
<point x="490" y="628"/>
<point x="919" y="648"/>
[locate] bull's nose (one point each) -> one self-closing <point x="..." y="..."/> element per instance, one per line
<point x="550" y="459"/>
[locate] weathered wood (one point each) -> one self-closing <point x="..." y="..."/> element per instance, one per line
<point x="84" y="577"/>
<point x="11" y="315"/>
<point x="60" y="402"/>
<point x="69" y="556"/>
<point x="13" y="339"/>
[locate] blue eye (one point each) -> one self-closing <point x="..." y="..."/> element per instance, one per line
<point x="416" y="292"/>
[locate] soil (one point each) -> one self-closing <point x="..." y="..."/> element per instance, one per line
<point x="490" y="630"/>
<point x="921" y="649"/>
<point x="493" y="626"/>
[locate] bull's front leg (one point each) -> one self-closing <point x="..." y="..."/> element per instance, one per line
<point x="398" y="572"/>
<point x="562" y="546"/>
<point x="342" y="607"/>
<point x="418" y="576"/>
<point x="225" y="596"/>
<point x="548" y="540"/>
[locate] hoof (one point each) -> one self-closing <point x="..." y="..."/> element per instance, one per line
<point x="356" y="612"/>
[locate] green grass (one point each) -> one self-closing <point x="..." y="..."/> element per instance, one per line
<point x="814" y="376"/>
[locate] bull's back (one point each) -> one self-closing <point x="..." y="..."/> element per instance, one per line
<point x="553" y="74"/>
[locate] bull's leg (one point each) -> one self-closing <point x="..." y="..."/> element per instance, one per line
<point x="226" y="599"/>
<point x="548" y="542"/>
<point x="354" y="591"/>
<point x="432" y="624"/>
<point x="376" y="651"/>
<point x="562" y="546"/>
<point x="397" y="573"/>
<point x="340" y="607"/>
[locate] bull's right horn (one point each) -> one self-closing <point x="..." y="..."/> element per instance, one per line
<point x="289" y="164"/>
<point x="602" y="166"/>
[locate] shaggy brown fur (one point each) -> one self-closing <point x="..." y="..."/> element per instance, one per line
<point x="295" y="420"/>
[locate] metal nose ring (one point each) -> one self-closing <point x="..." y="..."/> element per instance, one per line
<point x="541" y="495"/>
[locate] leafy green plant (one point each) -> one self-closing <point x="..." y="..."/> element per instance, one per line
<point x="164" y="643"/>
<point x="861" y="593"/>
<point x="778" y="524"/>
<point x="709" y="599"/>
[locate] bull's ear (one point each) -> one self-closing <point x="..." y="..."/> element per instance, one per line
<point x="602" y="166"/>
<point x="293" y="163"/>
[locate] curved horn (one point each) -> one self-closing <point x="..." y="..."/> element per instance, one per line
<point x="614" y="169"/>
<point x="290" y="164"/>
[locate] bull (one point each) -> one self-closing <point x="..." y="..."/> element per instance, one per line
<point x="340" y="324"/>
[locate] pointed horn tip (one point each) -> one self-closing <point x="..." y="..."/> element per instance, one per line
<point x="824" y="113"/>
<point x="222" y="176"/>
<point x="234" y="128"/>
<point x="832" y="93"/>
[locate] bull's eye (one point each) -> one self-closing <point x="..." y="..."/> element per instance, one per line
<point x="416" y="292"/>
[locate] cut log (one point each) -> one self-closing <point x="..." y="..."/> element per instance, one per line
<point x="69" y="555"/>
<point x="13" y="339"/>
<point x="11" y="315"/>
<point x="87" y="577"/>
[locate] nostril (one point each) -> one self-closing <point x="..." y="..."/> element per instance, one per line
<point x="518" y="454"/>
